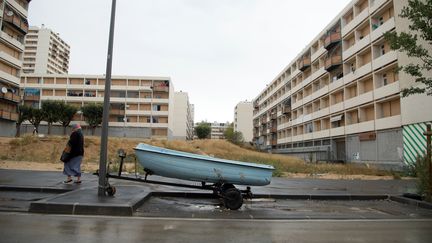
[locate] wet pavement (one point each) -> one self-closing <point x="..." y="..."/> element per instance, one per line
<point x="287" y="210"/>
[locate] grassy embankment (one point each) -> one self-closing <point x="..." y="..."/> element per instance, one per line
<point x="48" y="150"/>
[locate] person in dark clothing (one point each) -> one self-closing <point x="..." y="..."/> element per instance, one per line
<point x="73" y="166"/>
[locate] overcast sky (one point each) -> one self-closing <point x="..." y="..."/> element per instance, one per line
<point x="219" y="51"/>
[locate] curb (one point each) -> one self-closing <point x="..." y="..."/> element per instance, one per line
<point x="411" y="202"/>
<point x="34" y="189"/>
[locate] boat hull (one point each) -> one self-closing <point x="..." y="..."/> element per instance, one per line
<point x="187" y="166"/>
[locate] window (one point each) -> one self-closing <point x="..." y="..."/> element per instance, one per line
<point x="381" y="20"/>
<point x="156" y="107"/>
<point x="352" y="67"/>
<point x="384" y="77"/>
<point x="382" y="49"/>
<point x="87" y="82"/>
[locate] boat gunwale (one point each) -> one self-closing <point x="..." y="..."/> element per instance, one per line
<point x="218" y="160"/>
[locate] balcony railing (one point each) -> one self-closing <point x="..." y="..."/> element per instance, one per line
<point x="332" y="61"/>
<point x="332" y="39"/>
<point x="11" y="97"/>
<point x="8" y="115"/>
<point x="116" y="112"/>
<point x="31" y="97"/>
<point x="161" y="88"/>
<point x="15" y="20"/>
<point x="304" y="63"/>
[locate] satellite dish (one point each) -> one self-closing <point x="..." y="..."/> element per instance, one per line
<point x="9" y="13"/>
<point x="4" y="90"/>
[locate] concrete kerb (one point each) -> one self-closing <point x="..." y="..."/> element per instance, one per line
<point x="34" y="189"/>
<point x="85" y="202"/>
<point x="412" y="202"/>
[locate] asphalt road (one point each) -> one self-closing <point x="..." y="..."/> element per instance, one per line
<point x="22" y="227"/>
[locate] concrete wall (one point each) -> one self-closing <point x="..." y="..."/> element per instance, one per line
<point x="130" y="132"/>
<point x="7" y="128"/>
<point x="385" y="151"/>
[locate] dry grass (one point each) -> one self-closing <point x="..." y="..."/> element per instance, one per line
<point x="48" y="149"/>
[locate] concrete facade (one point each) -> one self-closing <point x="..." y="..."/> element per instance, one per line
<point x="45" y="52"/>
<point x="138" y="104"/>
<point x="14" y="26"/>
<point x="339" y="99"/>
<point x="243" y="116"/>
<point x="183" y="117"/>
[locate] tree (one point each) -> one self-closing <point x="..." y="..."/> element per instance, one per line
<point x="35" y="117"/>
<point x="93" y="115"/>
<point x="52" y="111"/>
<point x="66" y="115"/>
<point x="203" y="130"/>
<point x="419" y="12"/>
<point x="232" y="136"/>
<point x="24" y="113"/>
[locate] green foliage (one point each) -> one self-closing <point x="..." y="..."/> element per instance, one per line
<point x="203" y="130"/>
<point x="422" y="172"/>
<point x="35" y="117"/>
<point x="93" y="114"/>
<point x="24" y="113"/>
<point x="232" y="136"/>
<point x="51" y="110"/>
<point x="67" y="113"/>
<point x="419" y="13"/>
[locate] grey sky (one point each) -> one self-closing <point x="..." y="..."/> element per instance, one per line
<point x="219" y="51"/>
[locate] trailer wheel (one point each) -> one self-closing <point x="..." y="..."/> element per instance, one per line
<point x="110" y="190"/>
<point x="233" y="198"/>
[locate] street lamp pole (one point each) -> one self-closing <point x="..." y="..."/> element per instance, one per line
<point x="103" y="182"/>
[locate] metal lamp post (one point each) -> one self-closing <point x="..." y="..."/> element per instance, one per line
<point x="103" y="183"/>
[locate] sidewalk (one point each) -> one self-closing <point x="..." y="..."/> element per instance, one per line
<point x="56" y="197"/>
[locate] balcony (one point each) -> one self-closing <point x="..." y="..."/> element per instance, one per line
<point x="358" y="100"/>
<point x="322" y="91"/>
<point x="321" y="113"/>
<point x="18" y="7"/>
<point x="31" y="97"/>
<point x="161" y="88"/>
<point x="360" y="44"/>
<point x="338" y="131"/>
<point x="117" y="112"/>
<point x="255" y="104"/>
<point x="337" y="107"/>
<point x="318" y="53"/>
<point x="8" y="115"/>
<point x="15" y="20"/>
<point x="336" y="84"/>
<point x="273" y="142"/>
<point x="356" y="21"/>
<point x="15" y="62"/>
<point x="263" y="120"/>
<point x="11" y="78"/>
<point x="384" y="59"/>
<point x="305" y="62"/>
<point x="273" y="129"/>
<point x="333" y="61"/>
<point x="18" y="43"/>
<point x="273" y="116"/>
<point x="388" y="122"/>
<point x="375" y="4"/>
<point x="332" y="39"/>
<point x="358" y="73"/>
<point x="286" y="109"/>
<point x="10" y="97"/>
<point x="256" y="124"/>
<point x="321" y="134"/>
<point x="386" y="90"/>
<point x="380" y="30"/>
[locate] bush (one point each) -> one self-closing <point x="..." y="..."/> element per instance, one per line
<point x="422" y="172"/>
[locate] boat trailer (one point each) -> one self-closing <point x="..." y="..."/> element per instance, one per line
<point x="231" y="196"/>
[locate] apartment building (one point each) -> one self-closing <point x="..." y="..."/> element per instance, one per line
<point x="339" y="99"/>
<point x="243" y="116"/>
<point x="14" y="26"/>
<point x="183" y="117"/>
<point x="45" y="52"/>
<point x="139" y="106"/>
<point x="217" y="129"/>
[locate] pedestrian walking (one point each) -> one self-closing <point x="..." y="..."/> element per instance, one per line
<point x="73" y="165"/>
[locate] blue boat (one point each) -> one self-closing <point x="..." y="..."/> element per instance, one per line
<point x="194" y="167"/>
